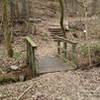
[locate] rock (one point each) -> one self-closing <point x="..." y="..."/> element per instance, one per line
<point x="14" y="67"/>
<point x="22" y="77"/>
<point x="0" y="95"/>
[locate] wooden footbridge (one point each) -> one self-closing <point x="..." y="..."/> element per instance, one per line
<point x="61" y="61"/>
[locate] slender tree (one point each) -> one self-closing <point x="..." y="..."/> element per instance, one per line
<point x="61" y="2"/>
<point x="17" y="15"/>
<point x="6" y="29"/>
<point x="29" y="8"/>
<point x="12" y="10"/>
<point x="24" y="9"/>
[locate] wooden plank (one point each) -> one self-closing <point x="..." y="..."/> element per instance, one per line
<point x="54" y="29"/>
<point x="53" y="35"/>
<point x="56" y="32"/>
<point x="66" y="40"/>
<point x="68" y="61"/>
<point x="31" y="42"/>
<point x="49" y="64"/>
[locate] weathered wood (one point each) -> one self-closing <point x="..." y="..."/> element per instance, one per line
<point x="30" y="42"/>
<point x="68" y="61"/>
<point x="27" y="44"/>
<point x="61" y="48"/>
<point x="65" y="52"/>
<point x="64" y="48"/>
<point x="58" y="47"/>
<point x="66" y="40"/>
<point x="23" y="93"/>
<point x="50" y="63"/>
<point x="31" y="60"/>
<point x="54" y="30"/>
<point x="75" y="60"/>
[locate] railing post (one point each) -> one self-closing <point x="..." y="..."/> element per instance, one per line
<point x="65" y="50"/>
<point x="27" y="44"/>
<point x="58" y="47"/>
<point x="30" y="63"/>
<point x="75" y="58"/>
<point x="33" y="60"/>
<point x="65" y="47"/>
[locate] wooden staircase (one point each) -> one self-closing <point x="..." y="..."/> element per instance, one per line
<point x="55" y="30"/>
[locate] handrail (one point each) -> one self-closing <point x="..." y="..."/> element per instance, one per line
<point x="66" y="40"/>
<point x="30" y="41"/>
<point x="31" y="59"/>
<point x="65" y="49"/>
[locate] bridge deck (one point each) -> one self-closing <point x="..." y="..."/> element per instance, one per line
<point x="48" y="61"/>
<point x="49" y="64"/>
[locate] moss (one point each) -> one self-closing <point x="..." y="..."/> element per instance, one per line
<point x="72" y="29"/>
<point x="45" y="35"/>
<point x="19" y="55"/>
<point x="95" y="49"/>
<point x="5" y="80"/>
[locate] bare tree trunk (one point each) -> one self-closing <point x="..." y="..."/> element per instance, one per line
<point x="17" y="15"/>
<point x="24" y="9"/>
<point x="12" y="10"/>
<point x="29" y="8"/>
<point x="7" y="32"/>
<point x="62" y="17"/>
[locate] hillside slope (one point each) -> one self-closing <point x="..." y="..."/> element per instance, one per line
<point x="73" y="85"/>
<point x="50" y="8"/>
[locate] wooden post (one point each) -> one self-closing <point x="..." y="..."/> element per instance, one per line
<point x="58" y="47"/>
<point x="74" y="49"/>
<point x="27" y="60"/>
<point x="30" y="63"/>
<point x="75" y="59"/>
<point x="65" y="48"/>
<point x="33" y="59"/>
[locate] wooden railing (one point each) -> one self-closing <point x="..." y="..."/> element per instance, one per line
<point x="65" y="42"/>
<point x="31" y="59"/>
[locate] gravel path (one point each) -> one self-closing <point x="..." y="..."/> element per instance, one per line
<point x="72" y="85"/>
